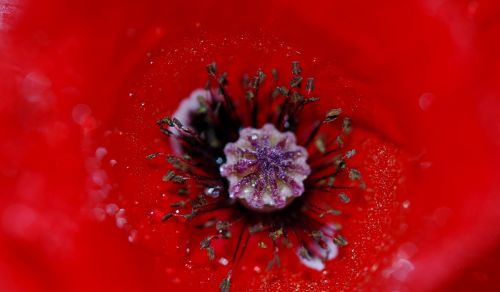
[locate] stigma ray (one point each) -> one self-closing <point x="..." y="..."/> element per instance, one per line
<point x="265" y="168"/>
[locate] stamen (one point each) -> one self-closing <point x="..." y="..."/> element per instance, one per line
<point x="226" y="283"/>
<point x="344" y="198"/>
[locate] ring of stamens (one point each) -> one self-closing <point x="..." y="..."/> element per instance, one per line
<point x="211" y="118"/>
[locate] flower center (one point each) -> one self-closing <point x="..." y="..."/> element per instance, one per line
<point x="265" y="168"/>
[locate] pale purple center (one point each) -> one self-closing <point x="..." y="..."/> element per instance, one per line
<point x="265" y="168"/>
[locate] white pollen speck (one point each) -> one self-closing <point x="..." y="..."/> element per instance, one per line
<point x="18" y="220"/>
<point x="8" y="10"/>
<point x="34" y="86"/>
<point x="407" y="250"/>
<point x="441" y="216"/>
<point x="425" y="101"/>
<point x="132" y="236"/>
<point x="100" y="152"/>
<point x="99" y="177"/>
<point x="400" y="269"/>
<point x="223" y="261"/>
<point x="99" y="214"/>
<point x="120" y="222"/>
<point x="111" y="209"/>
<point x="80" y="113"/>
<point x="425" y="165"/>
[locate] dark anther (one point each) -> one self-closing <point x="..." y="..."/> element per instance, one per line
<point x="249" y="95"/>
<point x="166" y="217"/>
<point x="283" y="91"/>
<point x="320" y="144"/>
<point x="275" y="93"/>
<point x="333" y="212"/>
<point x="256" y="228"/>
<point x="211" y="68"/>
<point x="347" y="126"/>
<point x="310" y="85"/>
<point x="223" y="79"/>
<point x="211" y="253"/>
<point x="226" y="283"/>
<point x="274" y="235"/>
<point x="296" y="70"/>
<point x="199" y="202"/>
<point x="354" y="174"/>
<point x="205" y="242"/>
<point x="260" y="76"/>
<point x="344" y="198"/>
<point x="339" y="141"/>
<point x="177" y="122"/>
<point x="332" y="115"/>
<point x="304" y="253"/>
<point x="182" y="191"/>
<point x="274" y="72"/>
<point x="297" y="97"/>
<point x="179" y="204"/>
<point x="169" y="176"/>
<point x="296" y="81"/>
<point x="165" y="120"/>
<point x="190" y="215"/>
<point x="274" y="262"/>
<point x="245" y="81"/>
<point x="222" y="225"/>
<point x="311" y="99"/>
<point x="152" y="155"/>
<point x="340" y="240"/>
<point x="179" y="179"/>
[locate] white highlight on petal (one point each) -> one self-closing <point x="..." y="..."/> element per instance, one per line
<point x="319" y="256"/>
<point x="188" y="106"/>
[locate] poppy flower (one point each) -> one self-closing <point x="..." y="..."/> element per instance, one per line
<point x="120" y="127"/>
